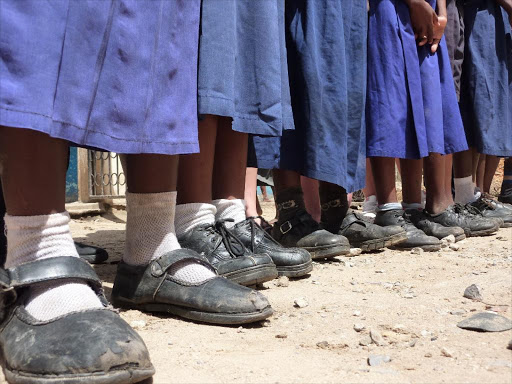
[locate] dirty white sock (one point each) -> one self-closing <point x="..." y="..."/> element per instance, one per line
<point x="150" y="234"/>
<point x="31" y="238"/>
<point x="230" y="209"/>
<point x="189" y="216"/>
<point x="418" y="206"/>
<point x="389" y="206"/>
<point x="464" y="190"/>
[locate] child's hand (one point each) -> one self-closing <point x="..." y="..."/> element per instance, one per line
<point x="423" y="19"/>
<point x="438" y="32"/>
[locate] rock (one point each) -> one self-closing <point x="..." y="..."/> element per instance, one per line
<point x="473" y="292"/>
<point x="509" y="346"/>
<point x="417" y="251"/>
<point x="281" y="336"/>
<point x="458" y="312"/>
<point x="486" y="322"/>
<point x="449" y="239"/>
<point x="413" y="342"/>
<point x="375" y="360"/>
<point x="454" y="246"/>
<point x="365" y="341"/>
<point x="425" y="333"/>
<point x="322" y="345"/>
<point x="446" y="352"/>
<point x="283" y="281"/>
<point x="428" y="354"/>
<point x="359" y="327"/>
<point x="400" y="328"/>
<point x="355" y="251"/>
<point x="380" y="271"/>
<point x="240" y="330"/>
<point x="377" y="337"/>
<point x="300" y="303"/>
<point x="138" y="324"/>
<point x="356" y="313"/>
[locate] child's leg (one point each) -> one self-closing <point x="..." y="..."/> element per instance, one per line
<point x="250" y="193"/>
<point x="435" y="176"/>
<point x="310" y="187"/>
<point x="411" y="171"/>
<point x="464" y="170"/>
<point x="384" y="178"/>
<point x="506" y="185"/>
<point x="486" y="170"/>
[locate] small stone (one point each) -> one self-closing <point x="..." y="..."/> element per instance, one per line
<point x="446" y="352"/>
<point x="434" y="338"/>
<point x="380" y="271"/>
<point x="301" y="303"/>
<point x="486" y="322"/>
<point x="377" y="337"/>
<point x="356" y="313"/>
<point x="359" y="327"/>
<point x="458" y="312"/>
<point x="365" y="341"/>
<point x="501" y="238"/>
<point x="425" y="333"/>
<point x="509" y="346"/>
<point x="413" y="342"/>
<point x="473" y="292"/>
<point x="138" y="324"/>
<point x="281" y="336"/>
<point x="240" y="330"/>
<point x="283" y="281"/>
<point x="417" y="251"/>
<point x="428" y="354"/>
<point x="450" y="239"/>
<point x="409" y="295"/>
<point x="322" y="345"/>
<point x="375" y="360"/>
<point x="454" y="246"/>
<point x="353" y="283"/>
<point x="355" y="252"/>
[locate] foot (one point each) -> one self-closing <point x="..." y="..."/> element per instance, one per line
<point x="228" y="255"/>
<point x="91" y="254"/>
<point x="491" y="208"/>
<point x="365" y="235"/>
<point x="291" y="262"/>
<point x="423" y="221"/>
<point x="415" y="237"/>
<point x="216" y="300"/>
<point x="467" y="218"/>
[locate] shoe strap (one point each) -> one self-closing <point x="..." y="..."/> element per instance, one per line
<point x="352" y="218"/>
<point x="161" y="265"/>
<point x="302" y="221"/>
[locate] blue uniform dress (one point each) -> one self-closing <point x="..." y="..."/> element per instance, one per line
<point x="326" y="42"/>
<point x="486" y="97"/>
<point x="412" y="107"/>
<point x="111" y="74"/>
<point x="243" y="71"/>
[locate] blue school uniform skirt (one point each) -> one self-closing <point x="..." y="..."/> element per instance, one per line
<point x="115" y="75"/>
<point x="243" y="70"/>
<point x="486" y="98"/>
<point x="412" y="107"/>
<point x="326" y="42"/>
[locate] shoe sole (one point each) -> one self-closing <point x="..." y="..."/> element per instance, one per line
<point x="426" y="248"/>
<point x="295" y="270"/>
<point x="373" y="245"/>
<point x="200" y="316"/>
<point x="253" y="275"/>
<point x="484" y="232"/>
<point x="327" y="252"/>
<point x="115" y="377"/>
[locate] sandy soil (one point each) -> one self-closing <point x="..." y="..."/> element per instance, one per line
<point x="406" y="298"/>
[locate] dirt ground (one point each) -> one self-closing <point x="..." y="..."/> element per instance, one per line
<point x="413" y="301"/>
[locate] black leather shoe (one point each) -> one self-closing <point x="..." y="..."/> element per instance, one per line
<point x="229" y="255"/>
<point x="490" y="208"/>
<point x="216" y="300"/>
<point x="91" y="346"/>
<point x="90" y="253"/>
<point x="291" y="262"/>
<point x="367" y="236"/>
<point x="423" y="221"/>
<point x="467" y="218"/>
<point x="415" y="237"/>
<point x="506" y="193"/>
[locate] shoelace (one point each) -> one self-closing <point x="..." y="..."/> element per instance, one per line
<point x="466" y="210"/>
<point x="253" y="226"/>
<point x="228" y="239"/>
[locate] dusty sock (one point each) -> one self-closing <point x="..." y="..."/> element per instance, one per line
<point x="31" y="238"/>
<point x="412" y="206"/>
<point x="150" y="234"/>
<point x="189" y="216"/>
<point x="230" y="209"/>
<point x="464" y="190"/>
<point x="389" y="206"/>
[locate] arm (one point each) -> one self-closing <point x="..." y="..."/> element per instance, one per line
<point x="442" y="16"/>
<point x="423" y="19"/>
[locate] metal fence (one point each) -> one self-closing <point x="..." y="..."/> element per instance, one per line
<point x="106" y="176"/>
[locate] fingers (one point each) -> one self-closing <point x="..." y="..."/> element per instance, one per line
<point x="435" y="45"/>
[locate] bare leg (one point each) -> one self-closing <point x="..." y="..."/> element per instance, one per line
<point x="491" y="164"/>
<point x="465" y="163"/>
<point x="384" y="178"/>
<point x="411" y="171"/>
<point x="369" y="189"/>
<point x="151" y="173"/>
<point x="437" y="198"/>
<point x="480" y="171"/>
<point x="311" y="197"/>
<point x="251" y="199"/>
<point x="448" y="171"/>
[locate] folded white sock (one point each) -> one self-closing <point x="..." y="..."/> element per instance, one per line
<point x="464" y="190"/>
<point x="389" y="206"/>
<point x="230" y="209"/>
<point x="412" y="206"/>
<point x="189" y="216"/>
<point x="32" y="238"/>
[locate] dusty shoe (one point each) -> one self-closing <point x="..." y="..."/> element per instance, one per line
<point x="365" y="235"/>
<point x="490" y="208"/>
<point x="415" y="237"/>
<point x="423" y="221"/>
<point x="228" y="255"/>
<point x="91" y="254"/>
<point x="291" y="262"/>
<point x="91" y="346"/>
<point x="216" y="300"/>
<point x="506" y="193"/>
<point x="467" y="218"/>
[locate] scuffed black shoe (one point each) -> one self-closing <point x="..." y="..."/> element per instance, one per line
<point x="467" y="218"/>
<point x="506" y="193"/>
<point x="415" y="237"/>
<point x="424" y="222"/>
<point x="490" y="208"/>
<point x="90" y="253"/>
<point x="229" y="255"/>
<point x="291" y="262"/>
<point x="365" y="235"/>
<point x="91" y="346"/>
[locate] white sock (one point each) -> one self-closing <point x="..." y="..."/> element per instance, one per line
<point x="189" y="216"/>
<point x="31" y="238"/>
<point x="389" y="206"/>
<point x="230" y="209"/>
<point x="418" y="206"/>
<point x="150" y="234"/>
<point x="464" y="190"/>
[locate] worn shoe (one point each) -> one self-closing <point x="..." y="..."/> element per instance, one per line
<point x="491" y="208"/>
<point x="216" y="300"/>
<point x="415" y="237"/>
<point x="467" y="218"/>
<point x="69" y="349"/>
<point x="423" y="221"/>
<point x="291" y="262"/>
<point x="506" y="193"/>
<point x="228" y="254"/>
<point x="91" y="254"/>
<point x="366" y="235"/>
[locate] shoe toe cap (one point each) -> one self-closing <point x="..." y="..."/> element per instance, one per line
<point x="322" y="238"/>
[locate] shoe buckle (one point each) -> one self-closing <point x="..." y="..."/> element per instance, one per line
<point x="285" y="227"/>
